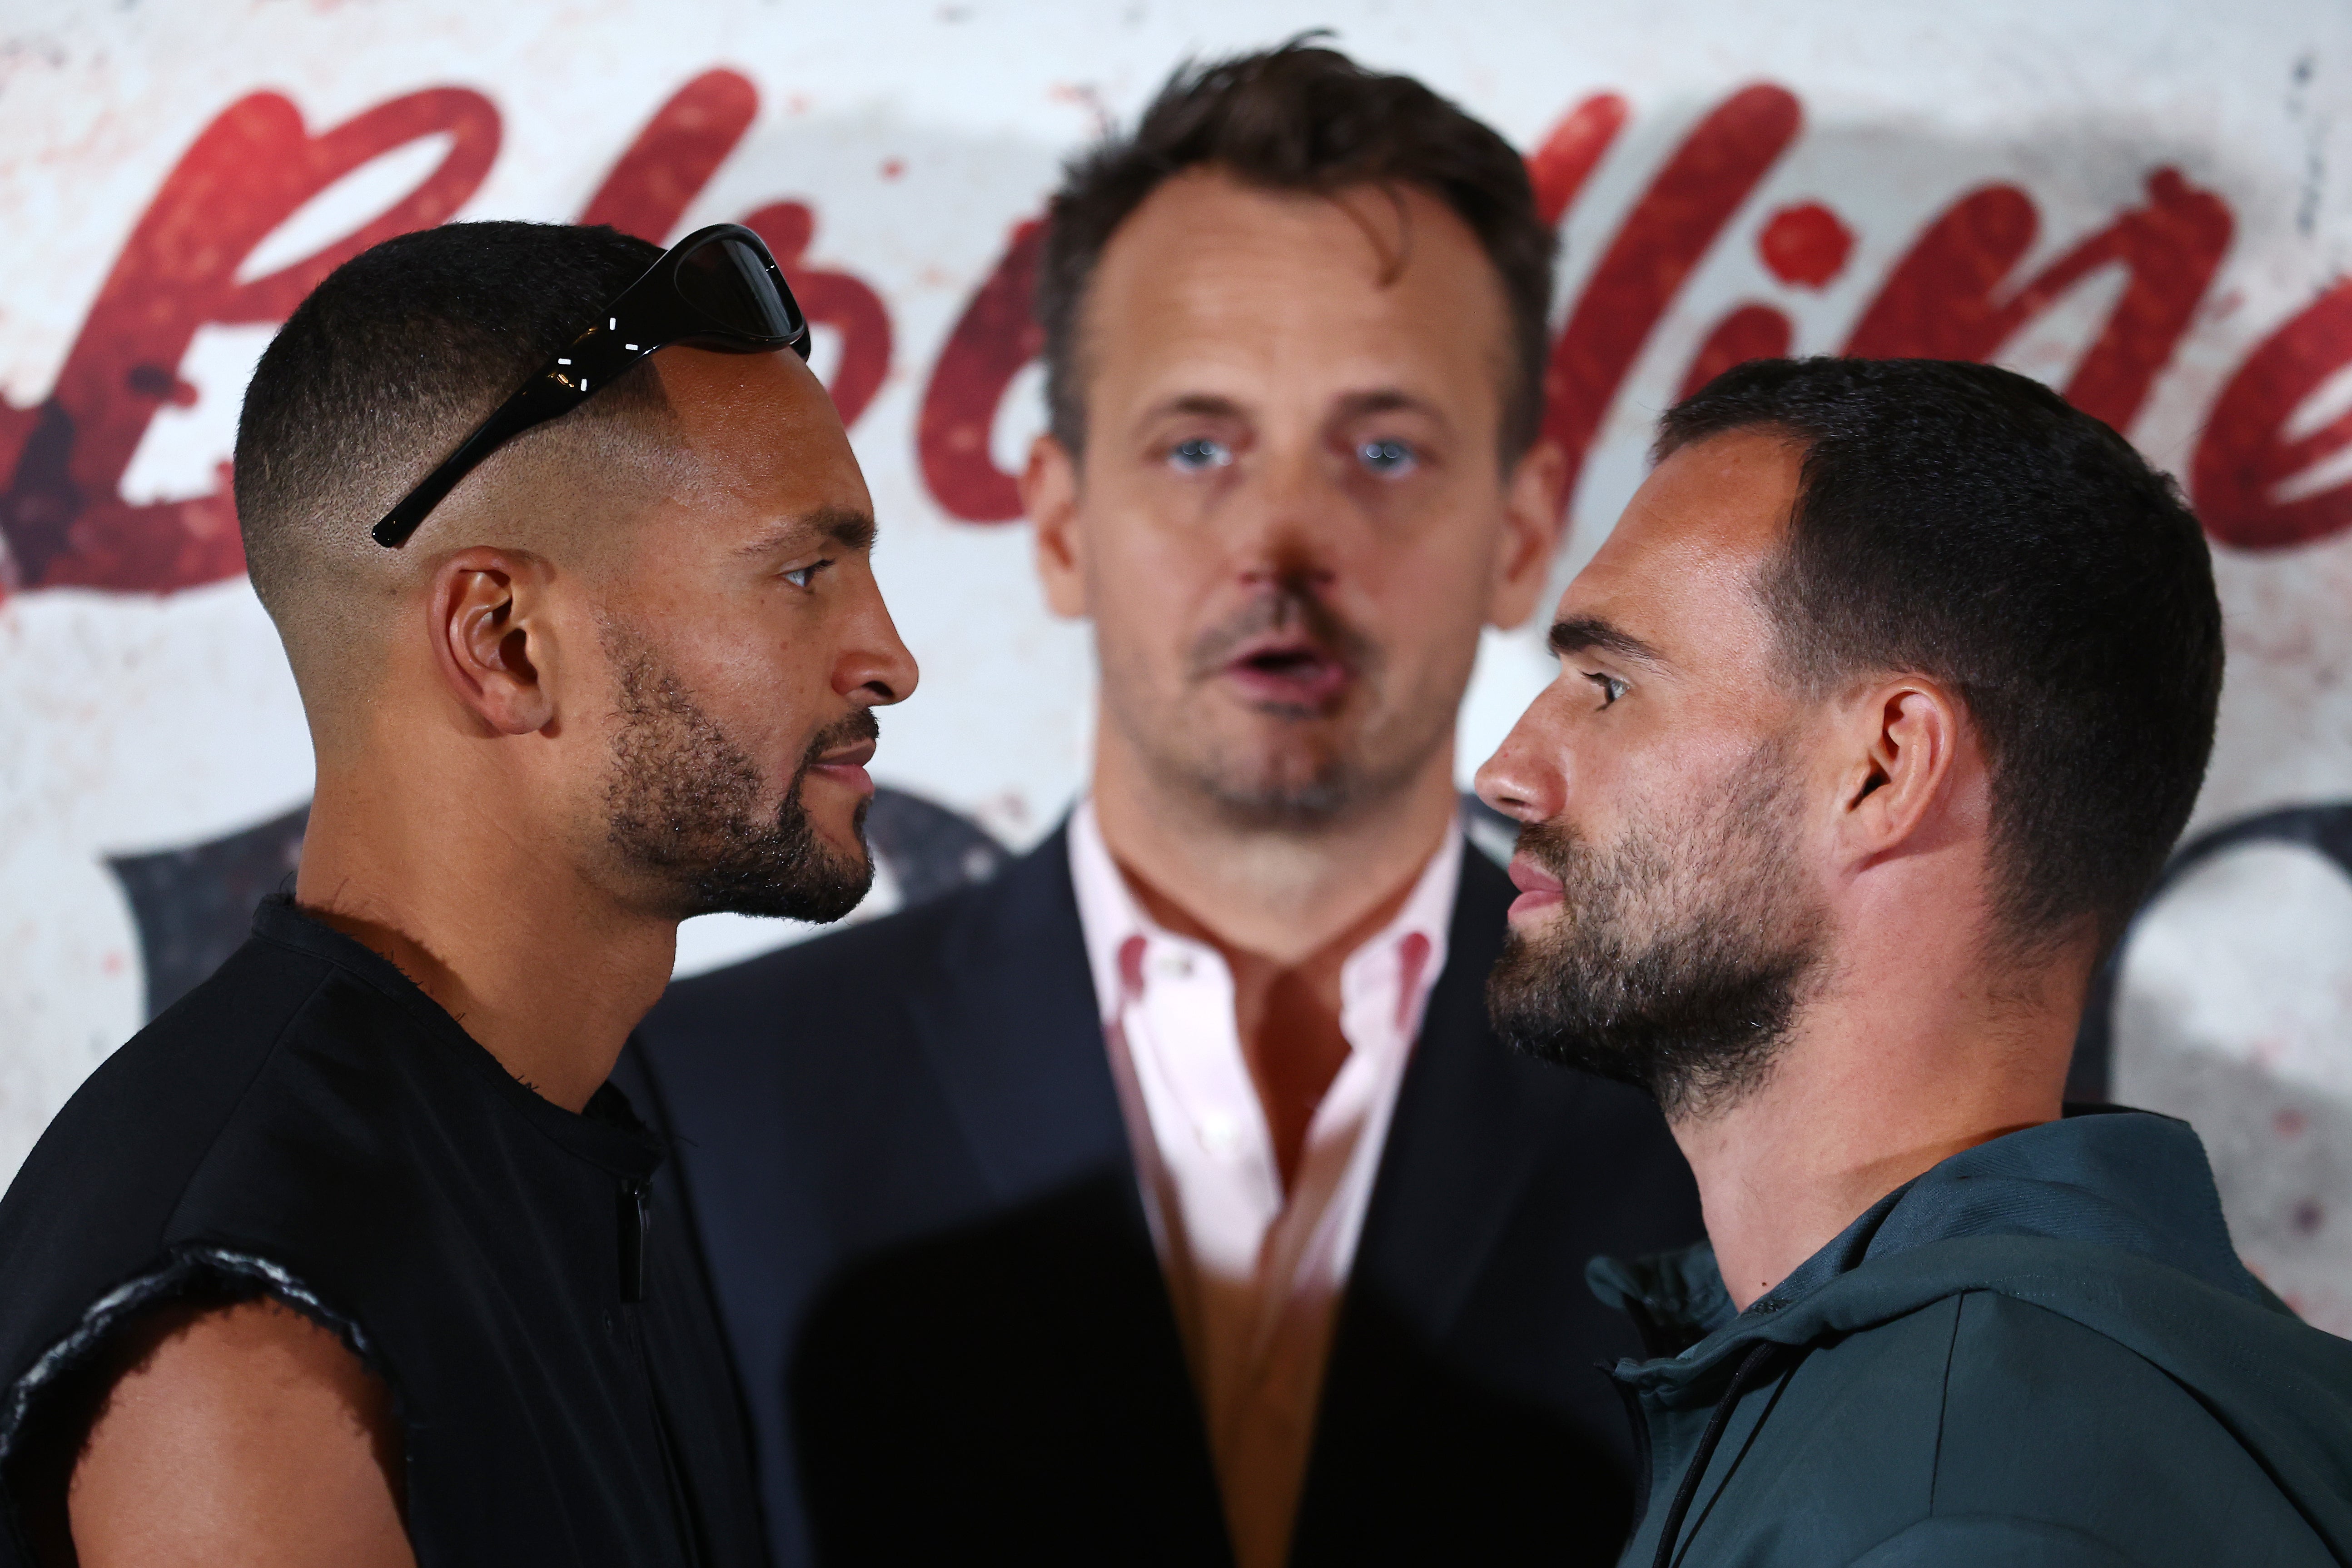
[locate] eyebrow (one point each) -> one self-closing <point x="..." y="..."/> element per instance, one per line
<point x="1352" y="405"/>
<point x="1579" y="634"/>
<point x="1386" y="400"/>
<point x="844" y="526"/>
<point x="1207" y="405"/>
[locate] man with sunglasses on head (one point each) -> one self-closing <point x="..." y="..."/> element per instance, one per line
<point x="1166" y="1199"/>
<point x="351" y="1257"/>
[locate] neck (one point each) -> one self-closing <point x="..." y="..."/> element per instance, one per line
<point x="1282" y="894"/>
<point x="1868" y="1092"/>
<point x="540" y="966"/>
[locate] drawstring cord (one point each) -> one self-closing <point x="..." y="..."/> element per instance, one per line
<point x="1749" y="1370"/>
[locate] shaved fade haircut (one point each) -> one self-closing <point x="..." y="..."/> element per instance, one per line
<point x="379" y="375"/>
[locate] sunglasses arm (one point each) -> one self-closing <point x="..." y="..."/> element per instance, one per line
<point x="551" y="393"/>
<point x="649" y="314"/>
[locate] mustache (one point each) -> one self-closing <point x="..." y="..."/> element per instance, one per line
<point x="860" y="725"/>
<point x="1288" y="608"/>
<point x="1554" y="846"/>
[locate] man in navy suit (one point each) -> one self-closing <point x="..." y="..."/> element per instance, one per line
<point x="1166" y="1198"/>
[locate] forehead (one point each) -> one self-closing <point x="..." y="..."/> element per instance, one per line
<point x="1213" y="281"/>
<point x="1679" y="570"/>
<point x="760" y="430"/>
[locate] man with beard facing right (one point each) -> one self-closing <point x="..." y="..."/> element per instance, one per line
<point x="1877" y="716"/>
<point x="346" y="1260"/>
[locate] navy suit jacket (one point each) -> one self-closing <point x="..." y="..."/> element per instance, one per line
<point x="903" y="1152"/>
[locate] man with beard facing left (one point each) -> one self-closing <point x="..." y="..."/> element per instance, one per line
<point x="1166" y="1199"/>
<point x="345" y="1259"/>
<point x="1877" y="716"/>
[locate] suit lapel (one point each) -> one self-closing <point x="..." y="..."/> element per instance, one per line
<point x="1011" y="1030"/>
<point x="1010" y="1027"/>
<point x="1012" y="1033"/>
<point x="1466" y="1135"/>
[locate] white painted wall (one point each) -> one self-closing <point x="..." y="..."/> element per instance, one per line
<point x="920" y="131"/>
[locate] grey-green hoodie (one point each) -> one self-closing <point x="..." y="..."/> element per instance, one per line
<point x="2043" y="1352"/>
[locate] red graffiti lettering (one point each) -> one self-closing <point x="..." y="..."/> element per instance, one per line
<point x="1671" y="228"/>
<point x="1956" y="293"/>
<point x="1751" y="331"/>
<point x="675" y="157"/>
<point x="833" y="300"/>
<point x="992" y="341"/>
<point x="681" y="147"/>
<point x="63" y="516"/>
<point x="1941" y="301"/>
<point x="1559" y="168"/>
<point x="1805" y="246"/>
<point x="2245" y="457"/>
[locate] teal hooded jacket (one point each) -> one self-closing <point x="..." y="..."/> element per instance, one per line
<point x="2043" y="1352"/>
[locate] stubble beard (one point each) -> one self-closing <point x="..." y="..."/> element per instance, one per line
<point x="1680" y="956"/>
<point x="682" y="806"/>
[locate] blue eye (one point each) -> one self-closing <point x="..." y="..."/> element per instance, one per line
<point x="1610" y="687"/>
<point x="802" y="576"/>
<point x="1388" y="458"/>
<point x="1200" y="454"/>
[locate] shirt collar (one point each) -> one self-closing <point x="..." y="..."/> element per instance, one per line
<point x="608" y="1132"/>
<point x="1111" y="916"/>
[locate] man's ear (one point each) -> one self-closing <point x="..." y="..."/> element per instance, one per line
<point x="1533" y="519"/>
<point x="1907" y="735"/>
<point x="489" y="618"/>
<point x="1049" y="494"/>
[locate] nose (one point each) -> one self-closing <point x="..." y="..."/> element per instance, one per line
<point x="874" y="668"/>
<point x="1526" y="779"/>
<point x="1290" y="538"/>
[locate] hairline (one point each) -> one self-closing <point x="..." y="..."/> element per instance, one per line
<point x="1081" y="307"/>
<point x="1815" y="669"/>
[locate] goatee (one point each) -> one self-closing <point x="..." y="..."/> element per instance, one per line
<point x="683" y="805"/>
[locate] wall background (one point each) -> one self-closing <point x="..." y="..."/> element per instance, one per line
<point x="2148" y="205"/>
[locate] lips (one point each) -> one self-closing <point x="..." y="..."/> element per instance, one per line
<point x="846" y="765"/>
<point x="1538" y="889"/>
<point x="1290" y="669"/>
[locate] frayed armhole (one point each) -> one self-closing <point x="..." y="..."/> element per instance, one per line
<point x="223" y="1273"/>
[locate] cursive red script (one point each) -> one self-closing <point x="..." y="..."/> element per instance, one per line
<point x="2260" y="480"/>
<point x="63" y="515"/>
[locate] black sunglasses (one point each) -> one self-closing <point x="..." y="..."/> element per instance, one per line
<point x="716" y="289"/>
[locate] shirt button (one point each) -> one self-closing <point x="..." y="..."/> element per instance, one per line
<point x="1175" y="965"/>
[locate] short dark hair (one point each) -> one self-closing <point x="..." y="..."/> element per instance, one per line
<point x="1307" y="119"/>
<point x="1967" y="524"/>
<point x="378" y="375"/>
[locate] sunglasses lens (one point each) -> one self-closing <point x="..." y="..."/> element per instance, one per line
<point x="730" y="282"/>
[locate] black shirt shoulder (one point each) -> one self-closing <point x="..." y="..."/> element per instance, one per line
<point x="133" y="1140"/>
<point x="309" y="1124"/>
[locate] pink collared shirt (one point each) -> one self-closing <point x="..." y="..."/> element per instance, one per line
<point x="1255" y="1273"/>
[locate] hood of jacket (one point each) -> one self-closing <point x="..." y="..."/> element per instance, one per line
<point x="2107" y="1217"/>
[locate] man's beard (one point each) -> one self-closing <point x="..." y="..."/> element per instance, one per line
<point x="1678" y="959"/>
<point x="1324" y="777"/>
<point x="682" y="806"/>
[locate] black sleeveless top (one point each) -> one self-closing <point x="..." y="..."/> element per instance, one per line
<point x="309" y="1125"/>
